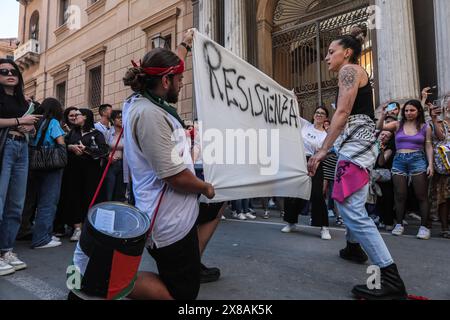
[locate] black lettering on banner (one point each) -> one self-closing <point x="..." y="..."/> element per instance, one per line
<point x="227" y="82"/>
<point x="213" y="67"/>
<point x="292" y="115"/>
<point x="270" y="103"/>
<point x="261" y="102"/>
<point x="283" y="109"/>
<point x="229" y="87"/>
<point x="243" y="92"/>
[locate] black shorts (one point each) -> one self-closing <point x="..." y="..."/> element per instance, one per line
<point x="179" y="266"/>
<point x="208" y="212"/>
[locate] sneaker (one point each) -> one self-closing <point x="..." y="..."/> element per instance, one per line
<point x="434" y="218"/>
<point x="389" y="228"/>
<point x="248" y="215"/>
<point x="234" y="214"/>
<point x="242" y="216"/>
<point x="223" y="218"/>
<point x="339" y="221"/>
<point x="398" y="230"/>
<point x="325" y="234"/>
<point x="251" y="211"/>
<point x="76" y="235"/>
<point x="382" y="225"/>
<point x="266" y="215"/>
<point x="208" y="274"/>
<point x="55" y="238"/>
<point x="51" y="244"/>
<point x="282" y="213"/>
<point x="424" y="233"/>
<point x="405" y="223"/>
<point x="415" y="216"/>
<point x="5" y="268"/>
<point x="11" y="259"/>
<point x="272" y="204"/>
<point x="289" y="228"/>
<point x="331" y="214"/>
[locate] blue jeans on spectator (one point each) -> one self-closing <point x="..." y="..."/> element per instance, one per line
<point x="362" y="229"/>
<point x="240" y="206"/>
<point x="114" y="183"/>
<point x="13" y="187"/>
<point x="47" y="184"/>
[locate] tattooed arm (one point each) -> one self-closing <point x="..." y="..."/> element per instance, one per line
<point x="350" y="77"/>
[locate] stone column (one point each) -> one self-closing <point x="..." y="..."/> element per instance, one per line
<point x="236" y="27"/>
<point x="207" y="18"/>
<point x="442" y="26"/>
<point x="397" y="55"/>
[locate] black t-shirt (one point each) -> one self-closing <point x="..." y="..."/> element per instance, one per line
<point x="11" y="108"/>
<point x="390" y="162"/>
<point x="94" y="141"/>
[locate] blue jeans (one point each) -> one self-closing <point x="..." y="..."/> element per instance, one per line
<point x="240" y="206"/>
<point x="410" y="164"/>
<point x="13" y="187"/>
<point x="362" y="229"/>
<point x="48" y="188"/>
<point x="114" y="186"/>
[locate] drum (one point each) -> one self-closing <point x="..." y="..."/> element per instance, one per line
<point x="110" y="250"/>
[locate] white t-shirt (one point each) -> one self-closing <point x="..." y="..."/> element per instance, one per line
<point x="156" y="147"/>
<point x="107" y="131"/>
<point x="313" y="139"/>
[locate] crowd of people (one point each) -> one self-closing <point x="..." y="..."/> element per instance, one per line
<point x="44" y="205"/>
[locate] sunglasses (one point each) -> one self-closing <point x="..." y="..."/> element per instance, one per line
<point x="6" y="72"/>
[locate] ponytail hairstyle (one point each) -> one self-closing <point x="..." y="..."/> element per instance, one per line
<point x="139" y="81"/>
<point x="354" y="41"/>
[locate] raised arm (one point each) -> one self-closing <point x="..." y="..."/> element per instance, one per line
<point x="429" y="150"/>
<point x="186" y="45"/>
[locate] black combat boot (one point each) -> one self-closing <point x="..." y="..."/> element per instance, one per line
<point x="392" y="287"/>
<point x="354" y="252"/>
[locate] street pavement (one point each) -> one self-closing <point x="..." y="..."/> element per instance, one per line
<point x="258" y="262"/>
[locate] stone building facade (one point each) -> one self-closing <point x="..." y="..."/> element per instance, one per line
<point x="79" y="50"/>
<point x="7" y="47"/>
<point x="407" y="47"/>
<point x="82" y="61"/>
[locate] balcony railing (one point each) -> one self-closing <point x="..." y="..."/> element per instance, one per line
<point x="28" y="54"/>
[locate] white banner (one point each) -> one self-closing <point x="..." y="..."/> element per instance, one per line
<point x="250" y="129"/>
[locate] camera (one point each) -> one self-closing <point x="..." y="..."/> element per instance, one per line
<point x="391" y="107"/>
<point x="433" y="92"/>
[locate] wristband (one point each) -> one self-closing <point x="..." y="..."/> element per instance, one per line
<point x="188" y="48"/>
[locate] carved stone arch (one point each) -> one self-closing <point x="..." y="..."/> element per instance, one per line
<point x="34" y="26"/>
<point x="264" y="21"/>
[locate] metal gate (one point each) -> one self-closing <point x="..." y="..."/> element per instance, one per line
<point x="299" y="57"/>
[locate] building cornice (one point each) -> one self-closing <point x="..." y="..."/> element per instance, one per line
<point x="95" y="6"/>
<point x="61" y="30"/>
<point x="62" y="68"/>
<point x="92" y="52"/>
<point x="170" y="13"/>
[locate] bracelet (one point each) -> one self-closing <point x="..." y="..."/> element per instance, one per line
<point x="188" y="48"/>
<point x="18" y="123"/>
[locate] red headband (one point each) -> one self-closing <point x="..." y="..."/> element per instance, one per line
<point x="154" y="71"/>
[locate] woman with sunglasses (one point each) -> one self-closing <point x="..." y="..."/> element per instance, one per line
<point x="14" y="126"/>
<point x="314" y="134"/>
